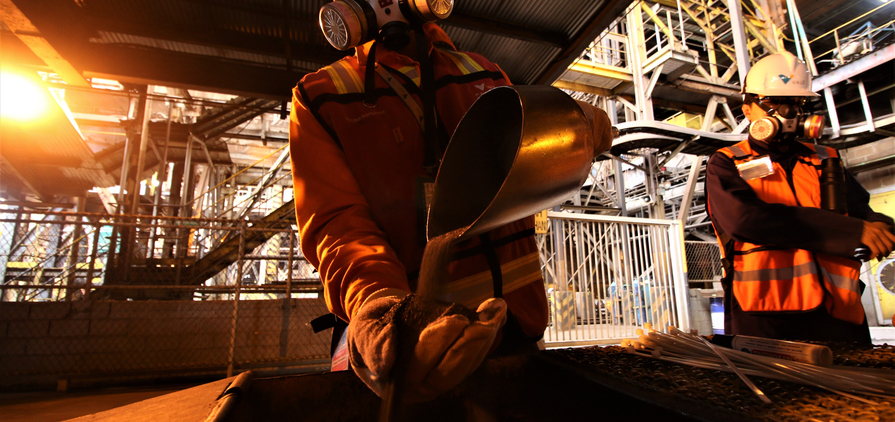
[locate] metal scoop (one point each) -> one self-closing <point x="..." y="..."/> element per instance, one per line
<point x="517" y="151"/>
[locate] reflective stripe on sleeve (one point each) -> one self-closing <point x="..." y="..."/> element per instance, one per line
<point x="463" y="62"/>
<point x="344" y="78"/>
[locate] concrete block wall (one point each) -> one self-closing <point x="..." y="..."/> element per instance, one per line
<point x="92" y="338"/>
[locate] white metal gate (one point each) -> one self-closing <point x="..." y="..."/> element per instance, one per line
<point x="608" y="276"/>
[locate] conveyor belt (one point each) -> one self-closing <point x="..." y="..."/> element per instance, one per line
<point x="723" y="391"/>
<point x="599" y="383"/>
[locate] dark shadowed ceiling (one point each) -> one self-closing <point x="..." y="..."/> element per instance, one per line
<point x="261" y="48"/>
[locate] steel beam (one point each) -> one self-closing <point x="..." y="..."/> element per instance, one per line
<point x="831" y="110"/>
<point x="692" y="178"/>
<point x="603" y="92"/>
<point x="866" y="104"/>
<point x="603" y="71"/>
<point x="22" y="27"/>
<point x="856" y="67"/>
<point x="739" y="39"/>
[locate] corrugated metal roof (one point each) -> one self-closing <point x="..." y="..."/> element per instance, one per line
<point x="520" y="59"/>
<point x="567" y="16"/>
<point x="188" y="48"/>
<point x="214" y="29"/>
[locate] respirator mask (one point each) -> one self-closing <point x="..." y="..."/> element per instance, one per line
<point x="785" y="120"/>
<point x="350" y="23"/>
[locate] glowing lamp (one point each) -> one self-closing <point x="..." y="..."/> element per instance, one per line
<point x="21" y="98"/>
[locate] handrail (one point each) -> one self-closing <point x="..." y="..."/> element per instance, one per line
<point x="611" y="219"/>
<point x="872" y="32"/>
<point x="241" y="171"/>
<point x="851" y="21"/>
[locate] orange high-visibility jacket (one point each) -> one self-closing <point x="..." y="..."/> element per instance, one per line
<point x="359" y="183"/>
<point x="770" y="279"/>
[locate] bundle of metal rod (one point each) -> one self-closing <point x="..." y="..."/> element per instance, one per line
<point x="690" y="349"/>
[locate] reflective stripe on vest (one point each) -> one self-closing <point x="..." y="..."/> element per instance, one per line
<point x="472" y="290"/>
<point x="792" y="280"/>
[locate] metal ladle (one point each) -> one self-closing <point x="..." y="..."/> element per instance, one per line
<point x="517" y="151"/>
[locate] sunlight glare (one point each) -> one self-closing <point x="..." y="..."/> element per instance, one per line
<point x="21" y="98"/>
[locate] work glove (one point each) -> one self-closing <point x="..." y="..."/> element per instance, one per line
<point x="429" y="346"/>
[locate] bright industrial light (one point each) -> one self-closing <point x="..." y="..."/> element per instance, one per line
<point x="21" y="98"/>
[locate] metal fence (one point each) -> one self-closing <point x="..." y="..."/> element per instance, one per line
<point x="78" y="296"/>
<point x="608" y="276"/>
<point x="78" y="291"/>
<point x="703" y="261"/>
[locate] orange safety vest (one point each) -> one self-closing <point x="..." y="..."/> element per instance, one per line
<point x="384" y="148"/>
<point x="770" y="279"/>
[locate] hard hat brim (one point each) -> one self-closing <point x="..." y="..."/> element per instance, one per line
<point x="787" y="92"/>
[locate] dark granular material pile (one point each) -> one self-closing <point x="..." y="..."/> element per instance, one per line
<point x="716" y="389"/>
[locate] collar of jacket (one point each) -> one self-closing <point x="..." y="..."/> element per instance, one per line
<point x="434" y="35"/>
<point x="761" y="148"/>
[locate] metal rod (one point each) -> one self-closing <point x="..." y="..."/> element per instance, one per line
<point x="289" y="271"/>
<point x="695" y="169"/>
<point x="90" y="266"/>
<point x="831" y="110"/>
<point x="866" y="104"/>
<point x="75" y="248"/>
<point x="141" y="154"/>
<point x="239" y="268"/>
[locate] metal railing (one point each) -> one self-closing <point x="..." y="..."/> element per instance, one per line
<point x="858" y="42"/>
<point x="608" y="276"/>
<point x="52" y="256"/>
<point x="77" y="304"/>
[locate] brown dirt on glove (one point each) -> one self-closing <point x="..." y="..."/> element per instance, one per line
<point x="413" y="313"/>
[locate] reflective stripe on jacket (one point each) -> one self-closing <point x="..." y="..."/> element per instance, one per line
<point x="384" y="145"/>
<point x="769" y="279"/>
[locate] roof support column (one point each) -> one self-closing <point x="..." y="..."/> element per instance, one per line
<point x="739" y="39"/>
<point x="636" y="56"/>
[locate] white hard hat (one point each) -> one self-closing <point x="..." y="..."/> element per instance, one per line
<point x="781" y="75"/>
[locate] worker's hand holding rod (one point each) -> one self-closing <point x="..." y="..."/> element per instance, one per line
<point x="426" y="347"/>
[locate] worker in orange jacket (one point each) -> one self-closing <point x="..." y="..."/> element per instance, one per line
<point x="366" y="137"/>
<point x="791" y="270"/>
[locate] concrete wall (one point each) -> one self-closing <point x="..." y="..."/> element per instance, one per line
<point x="700" y="313"/>
<point x="95" y="339"/>
<point x="877" y="180"/>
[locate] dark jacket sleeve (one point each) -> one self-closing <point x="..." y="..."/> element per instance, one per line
<point x="737" y="211"/>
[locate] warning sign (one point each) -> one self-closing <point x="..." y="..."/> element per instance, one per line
<point x="541" y="222"/>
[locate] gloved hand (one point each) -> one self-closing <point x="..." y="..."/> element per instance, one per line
<point x="437" y="344"/>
